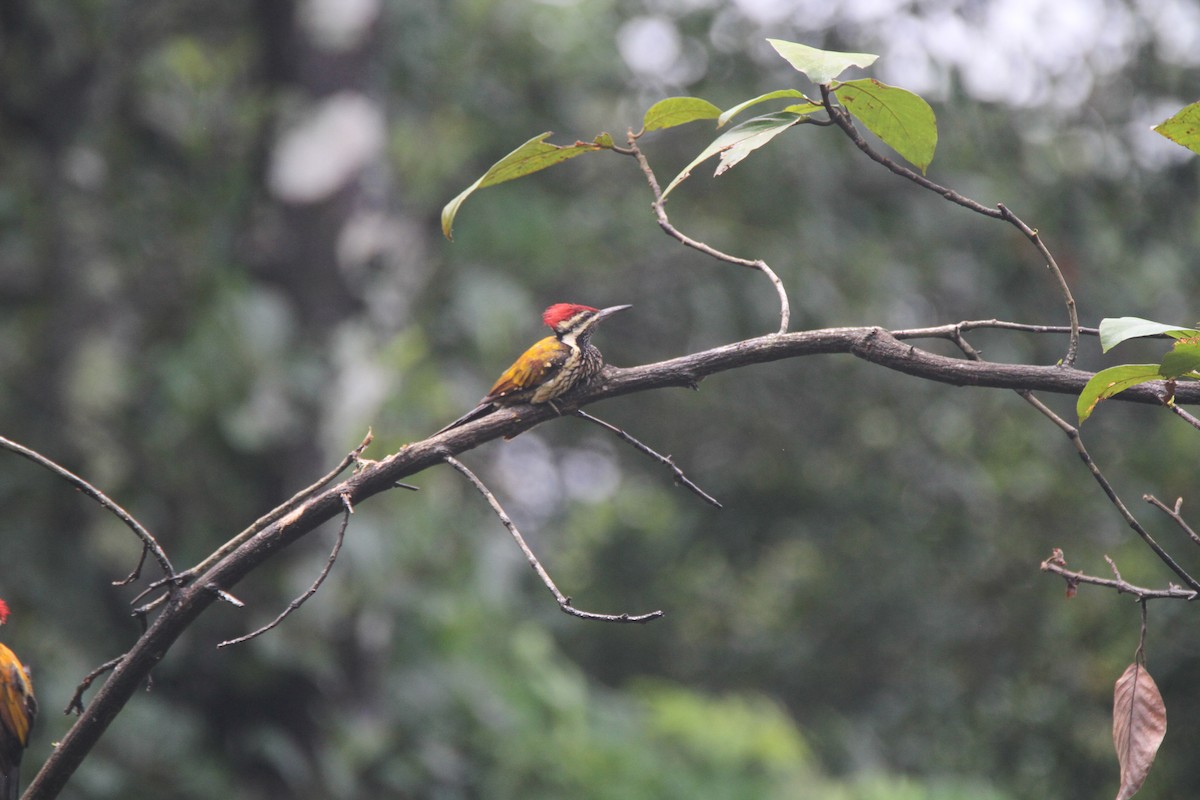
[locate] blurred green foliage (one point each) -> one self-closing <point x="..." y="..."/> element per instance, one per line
<point x="865" y="619"/>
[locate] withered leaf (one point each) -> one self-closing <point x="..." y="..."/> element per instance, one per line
<point x="1139" y="725"/>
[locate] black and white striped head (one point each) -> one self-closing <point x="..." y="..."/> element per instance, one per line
<point x="573" y="323"/>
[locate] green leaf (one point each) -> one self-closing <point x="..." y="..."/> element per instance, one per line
<point x="536" y="154"/>
<point x="737" y="143"/>
<point x="1114" y="330"/>
<point x="1182" y="360"/>
<point x="900" y="118"/>
<point x="678" y="111"/>
<point x="1114" y="380"/>
<point x="804" y="109"/>
<point x="821" y="66"/>
<point x="1183" y="128"/>
<point x="740" y="107"/>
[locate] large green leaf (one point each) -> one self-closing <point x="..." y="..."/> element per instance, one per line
<point x="737" y="143"/>
<point x="534" y="155"/>
<point x="900" y="118"/>
<point x="1183" y="128"/>
<point x="677" y="111"/>
<point x="821" y="66"/>
<point x="1183" y="359"/>
<point x="1114" y="380"/>
<point x="803" y="108"/>
<point x="1114" y="330"/>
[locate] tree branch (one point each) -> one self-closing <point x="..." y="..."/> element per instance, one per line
<point x="1076" y="439"/>
<point x="564" y="602"/>
<point x="309" y="592"/>
<point x="1174" y="514"/>
<point x="149" y="543"/>
<point x="660" y="213"/>
<point x="1058" y="565"/>
<point x="874" y="345"/>
<point x="877" y="346"/>
<point x="842" y="118"/>
<point x="666" y="461"/>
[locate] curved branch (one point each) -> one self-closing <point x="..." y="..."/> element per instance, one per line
<point x="664" y="222"/>
<point x="149" y="543"/>
<point x="875" y="345"/>
<point x="842" y="118"/>
<point x="293" y="606"/>
<point x="1072" y="433"/>
<point x="352" y="457"/>
<point x="532" y="560"/>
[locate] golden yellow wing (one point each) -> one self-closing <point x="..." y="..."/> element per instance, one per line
<point x="535" y="366"/>
<point x="17" y="710"/>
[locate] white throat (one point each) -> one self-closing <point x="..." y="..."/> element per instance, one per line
<point x="569" y="340"/>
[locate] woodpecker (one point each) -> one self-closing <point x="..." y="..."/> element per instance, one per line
<point x="17" y="710"/>
<point x="553" y="366"/>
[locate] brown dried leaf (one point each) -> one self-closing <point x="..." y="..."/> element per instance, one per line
<point x="1139" y="725"/>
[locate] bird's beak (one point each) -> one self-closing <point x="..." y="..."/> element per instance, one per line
<point x="604" y="312"/>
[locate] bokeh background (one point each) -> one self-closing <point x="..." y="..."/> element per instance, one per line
<point x="220" y="263"/>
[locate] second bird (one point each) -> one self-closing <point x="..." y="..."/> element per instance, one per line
<point x="17" y="710"/>
<point x="553" y="366"/>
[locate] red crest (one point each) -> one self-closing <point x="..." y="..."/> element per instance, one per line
<point x="559" y="312"/>
<point x="3" y="612"/>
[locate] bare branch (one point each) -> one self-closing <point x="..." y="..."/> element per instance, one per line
<point x="1073" y="434"/>
<point x="1187" y="417"/>
<point x="660" y="213"/>
<point x="564" y="602"/>
<point x="136" y="572"/>
<point x="1057" y="565"/>
<point x="226" y="596"/>
<point x="874" y="345"/>
<point x="951" y="330"/>
<point x="149" y="543"/>
<point x="353" y="457"/>
<point x="299" y="601"/>
<point x="667" y="461"/>
<point x="1174" y="514"/>
<point x="877" y="346"/>
<point x="842" y="118"/>
<point x="76" y="704"/>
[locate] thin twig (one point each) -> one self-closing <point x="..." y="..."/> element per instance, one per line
<point x="1058" y="566"/>
<point x="149" y="543"/>
<point x="840" y="116"/>
<point x="950" y="330"/>
<point x="1174" y="514"/>
<point x="1139" y="655"/>
<point x="1189" y="418"/>
<point x="564" y="602"/>
<point x="225" y="596"/>
<point x="353" y="457"/>
<point x="1064" y="289"/>
<point x="76" y="704"/>
<point x="667" y="461"/>
<point x="1073" y="435"/>
<point x="299" y="601"/>
<point x="1112" y="565"/>
<point x="664" y="222"/>
<point x="136" y="572"/>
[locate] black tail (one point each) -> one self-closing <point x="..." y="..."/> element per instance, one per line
<point x="10" y="784"/>
<point x="481" y="410"/>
